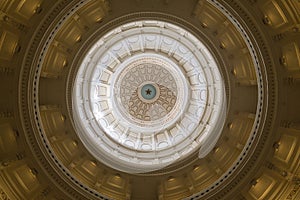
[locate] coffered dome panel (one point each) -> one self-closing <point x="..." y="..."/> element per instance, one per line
<point x="123" y="128"/>
<point x="149" y="99"/>
<point x="142" y="106"/>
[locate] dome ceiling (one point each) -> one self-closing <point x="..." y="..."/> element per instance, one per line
<point x="149" y="100"/>
<point x="151" y="95"/>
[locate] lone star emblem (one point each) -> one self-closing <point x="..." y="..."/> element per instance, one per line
<point x="148" y="92"/>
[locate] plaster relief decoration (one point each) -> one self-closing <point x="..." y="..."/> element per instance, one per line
<point x="147" y="94"/>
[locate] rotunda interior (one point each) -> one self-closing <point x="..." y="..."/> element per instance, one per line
<point x="150" y="99"/>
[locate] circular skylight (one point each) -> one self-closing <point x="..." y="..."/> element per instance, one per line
<point x="148" y="94"/>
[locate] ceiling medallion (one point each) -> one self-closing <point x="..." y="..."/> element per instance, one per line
<point x="148" y="94"/>
<point x="136" y="79"/>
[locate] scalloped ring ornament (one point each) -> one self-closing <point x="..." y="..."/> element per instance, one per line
<point x="148" y="94"/>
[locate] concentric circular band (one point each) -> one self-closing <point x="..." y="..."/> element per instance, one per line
<point x="159" y="112"/>
<point x="118" y="126"/>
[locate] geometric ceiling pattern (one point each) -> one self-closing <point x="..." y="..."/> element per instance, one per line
<point x="226" y="127"/>
<point x="149" y="99"/>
